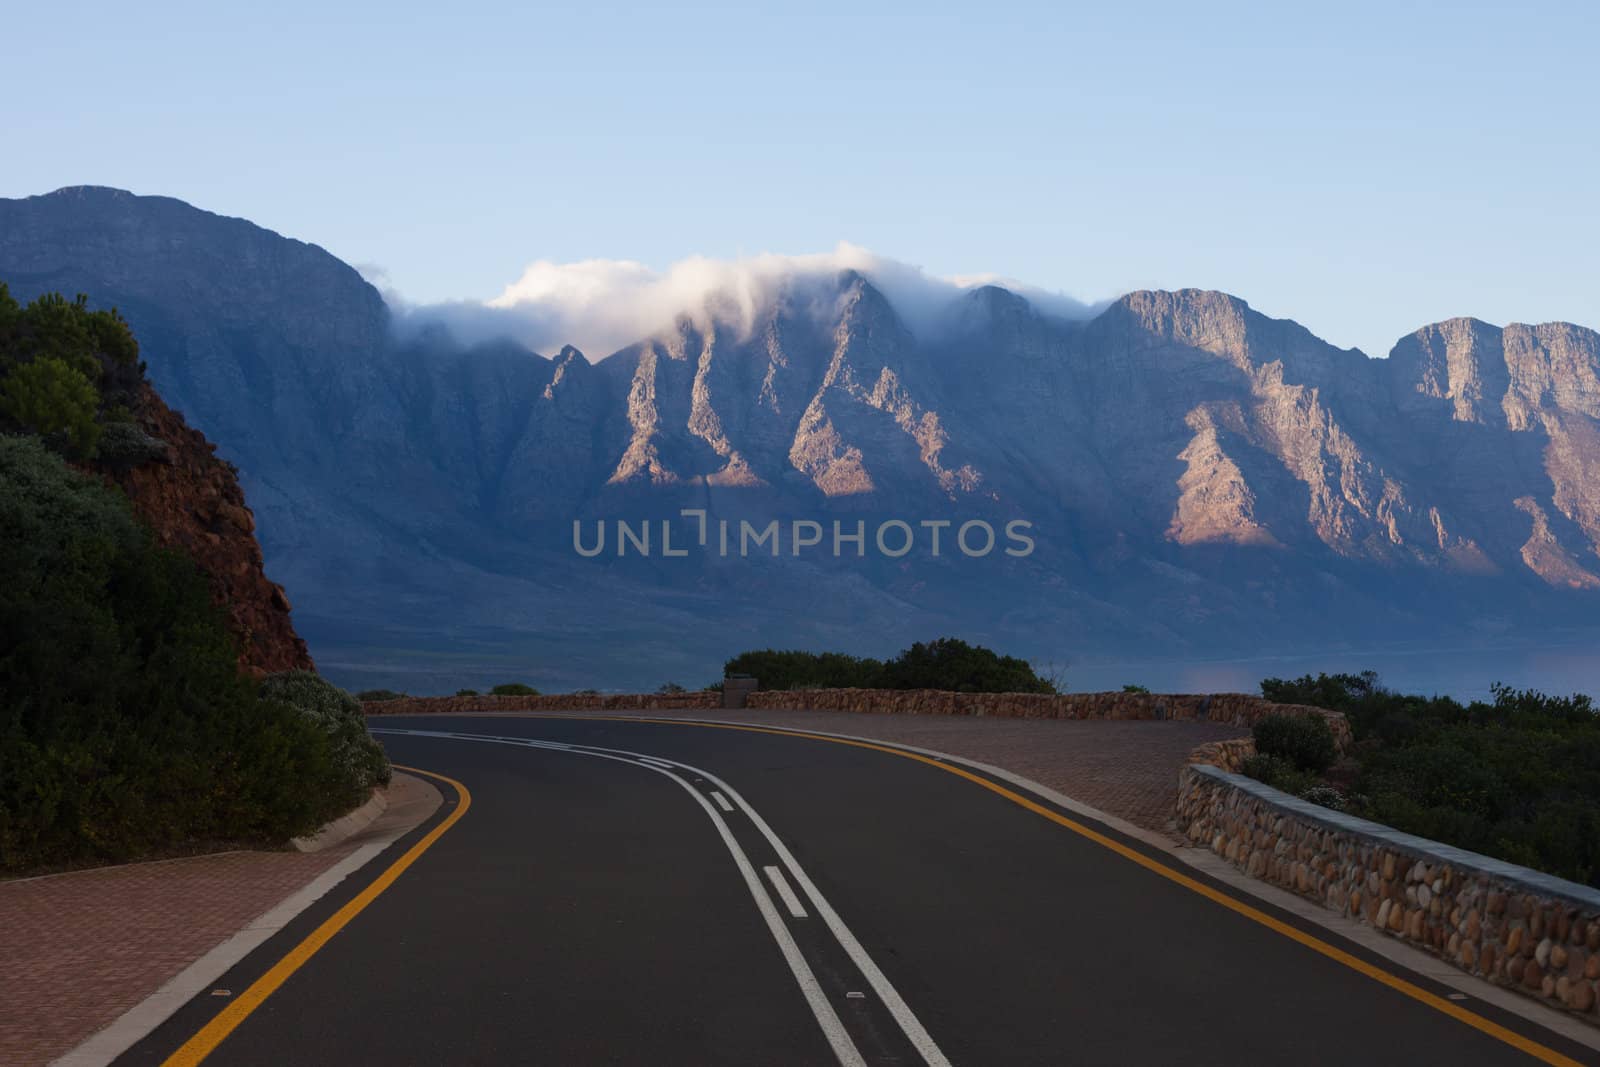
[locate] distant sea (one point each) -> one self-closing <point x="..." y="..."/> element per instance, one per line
<point x="1573" y="666"/>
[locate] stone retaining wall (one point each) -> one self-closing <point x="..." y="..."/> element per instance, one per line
<point x="1228" y="755"/>
<point x="1506" y="924"/>
<point x="1235" y="709"/>
<point x="550" y="702"/>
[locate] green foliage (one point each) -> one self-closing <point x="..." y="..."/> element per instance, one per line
<point x="671" y="689"/>
<point x="1135" y="689"/>
<point x="65" y="371"/>
<point x="952" y="664"/>
<point x="466" y="692"/>
<point x="1332" y="691"/>
<point x="125" y="726"/>
<point x="123" y="446"/>
<point x="49" y="398"/>
<point x="1516" y="777"/>
<point x="514" y="689"/>
<point x="1304" y="740"/>
<point x="1279" y="773"/>
<point x="379" y="694"/>
<point x="356" y="762"/>
<point x="794" y="669"/>
<point x="946" y="663"/>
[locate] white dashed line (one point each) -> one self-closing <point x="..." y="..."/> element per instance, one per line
<point x="781" y="884"/>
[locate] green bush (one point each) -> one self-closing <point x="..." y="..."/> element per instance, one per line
<point x="125" y="726"/>
<point x="947" y="663"/>
<point x="1279" y="773"/>
<point x="356" y="761"/>
<point x="466" y="692"/>
<point x="1304" y="740"/>
<point x="1516" y="777"/>
<point x="793" y="669"/>
<point x="952" y="664"/>
<point x="514" y="689"/>
<point x="123" y="446"/>
<point x="47" y="397"/>
<point x="379" y="694"/>
<point x="65" y="371"/>
<point x="1135" y="689"/>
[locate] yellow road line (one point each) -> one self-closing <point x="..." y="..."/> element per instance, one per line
<point x="1355" y="963"/>
<point x="213" y="1033"/>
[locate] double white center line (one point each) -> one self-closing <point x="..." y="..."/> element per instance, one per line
<point x="785" y="894"/>
<point x="728" y="800"/>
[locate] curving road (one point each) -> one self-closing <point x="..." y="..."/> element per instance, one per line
<point x="627" y="892"/>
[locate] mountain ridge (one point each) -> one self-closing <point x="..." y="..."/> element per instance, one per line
<point x="1202" y="477"/>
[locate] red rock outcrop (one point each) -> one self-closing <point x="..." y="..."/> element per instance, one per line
<point x="192" y="501"/>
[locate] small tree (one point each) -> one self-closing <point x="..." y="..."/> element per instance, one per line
<point x="49" y="398"/>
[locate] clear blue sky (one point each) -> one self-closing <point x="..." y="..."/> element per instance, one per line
<point x="1364" y="168"/>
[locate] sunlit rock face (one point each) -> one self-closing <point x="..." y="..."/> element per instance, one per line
<point x="1199" y="478"/>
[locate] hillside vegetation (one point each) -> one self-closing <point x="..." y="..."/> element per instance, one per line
<point x="126" y="726"/>
<point x="1516" y="777"/>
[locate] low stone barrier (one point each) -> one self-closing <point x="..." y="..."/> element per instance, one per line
<point x="543" y="702"/>
<point x="1228" y="755"/>
<point x="1506" y="924"/>
<point x="1234" y="709"/>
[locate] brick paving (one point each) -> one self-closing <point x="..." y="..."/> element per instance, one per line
<point x="79" y="949"/>
<point x="1126" y="768"/>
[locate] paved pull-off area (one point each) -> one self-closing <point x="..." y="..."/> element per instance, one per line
<point x="622" y="892"/>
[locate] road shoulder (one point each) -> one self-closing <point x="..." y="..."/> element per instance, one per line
<point x="95" y="959"/>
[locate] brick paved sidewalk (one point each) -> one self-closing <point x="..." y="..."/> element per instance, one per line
<point x="79" y="949"/>
<point x="1126" y="768"/>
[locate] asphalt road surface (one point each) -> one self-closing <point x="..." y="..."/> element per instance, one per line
<point x="624" y="892"/>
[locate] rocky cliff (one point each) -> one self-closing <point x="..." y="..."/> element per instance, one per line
<point x="193" y="503"/>
<point x="1201" y="479"/>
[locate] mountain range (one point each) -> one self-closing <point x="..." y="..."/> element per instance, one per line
<point x="1198" y="479"/>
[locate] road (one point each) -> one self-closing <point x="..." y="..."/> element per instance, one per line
<point x="623" y="892"/>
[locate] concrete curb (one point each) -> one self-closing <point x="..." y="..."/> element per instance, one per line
<point x="345" y="826"/>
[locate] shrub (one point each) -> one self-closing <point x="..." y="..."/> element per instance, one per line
<point x="125" y="726"/>
<point x="1332" y="691"/>
<point x="1279" y="773"/>
<point x="1304" y="740"/>
<point x="790" y="669"/>
<point x="1327" y="796"/>
<point x="952" y="664"/>
<point x="54" y="400"/>
<point x="946" y="663"/>
<point x="514" y="689"/>
<point x="64" y="370"/>
<point x="466" y="692"/>
<point x="1516" y="777"/>
<point x="379" y="694"/>
<point x="124" y="446"/>
<point x="671" y="689"/>
<point x="357" y="762"/>
<point x="1135" y="689"/>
